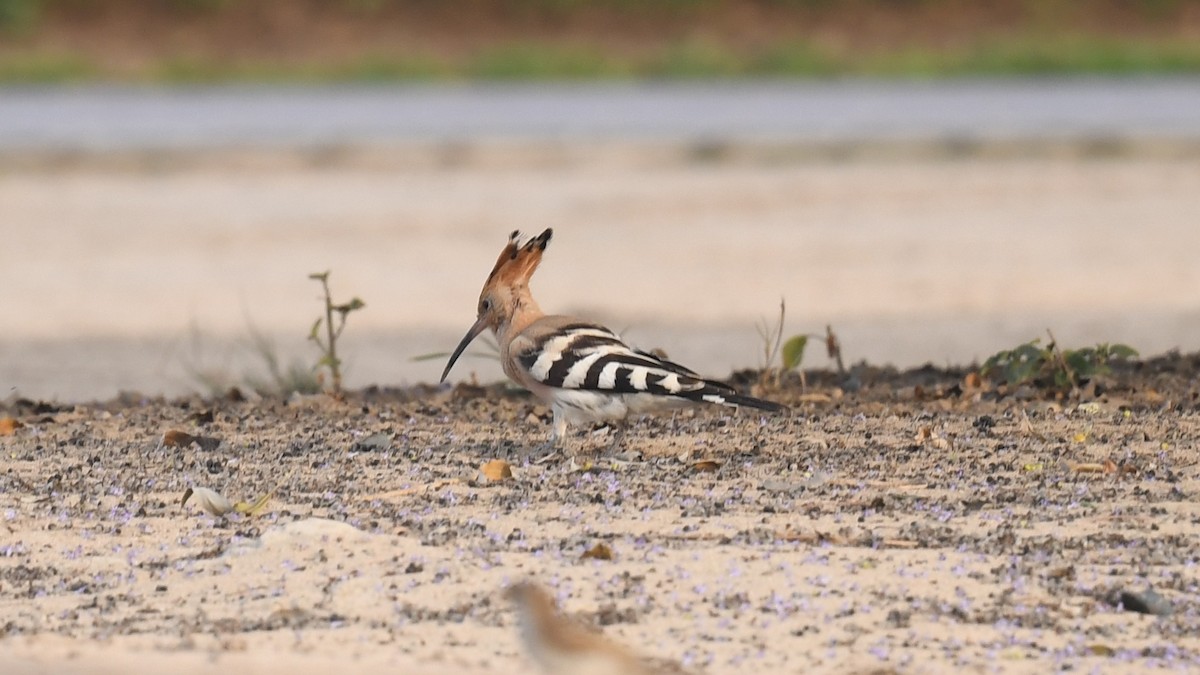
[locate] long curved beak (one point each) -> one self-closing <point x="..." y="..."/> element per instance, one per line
<point x="480" y="325"/>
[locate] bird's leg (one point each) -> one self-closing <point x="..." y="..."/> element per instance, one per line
<point x="558" y="437"/>
<point x="618" y="439"/>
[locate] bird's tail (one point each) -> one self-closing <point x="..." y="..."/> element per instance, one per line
<point x="724" y="396"/>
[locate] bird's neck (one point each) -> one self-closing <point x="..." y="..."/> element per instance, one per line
<point x="524" y="312"/>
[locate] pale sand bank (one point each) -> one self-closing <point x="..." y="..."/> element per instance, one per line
<point x="105" y="271"/>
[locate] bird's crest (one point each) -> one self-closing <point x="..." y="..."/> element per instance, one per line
<point x="518" y="261"/>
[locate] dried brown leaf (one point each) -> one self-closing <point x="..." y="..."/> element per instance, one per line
<point x="497" y="470"/>
<point x="705" y="465"/>
<point x="812" y="537"/>
<point x="972" y="380"/>
<point x="9" y="426"/>
<point x="177" y="439"/>
<point x="802" y="536"/>
<point x="1065" y="572"/>
<point x="600" y="551"/>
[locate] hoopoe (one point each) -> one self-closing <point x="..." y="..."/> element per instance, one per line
<point x="582" y="371"/>
<point x="560" y="646"/>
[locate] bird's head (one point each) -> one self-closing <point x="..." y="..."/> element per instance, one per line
<point x="506" y="289"/>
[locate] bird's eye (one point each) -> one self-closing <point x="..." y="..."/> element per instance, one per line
<point x="485" y="306"/>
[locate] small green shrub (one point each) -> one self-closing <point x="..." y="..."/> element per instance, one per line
<point x="328" y="345"/>
<point x="789" y="353"/>
<point x="1054" y="368"/>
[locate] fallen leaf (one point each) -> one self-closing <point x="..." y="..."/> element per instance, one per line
<point x="1033" y="467"/>
<point x="1081" y="437"/>
<point x="600" y="551"/>
<point x="8" y="426"/>
<point x="497" y="470"/>
<point x="803" y="536"/>
<point x="1110" y="466"/>
<point x="812" y="537"/>
<point x="972" y="381"/>
<point x="587" y="466"/>
<point x="177" y="439"/>
<point x="255" y="508"/>
<point x="182" y="439"/>
<point x="1065" y="572"/>
<point x="1101" y="650"/>
<point x="1088" y="467"/>
<point x="210" y="501"/>
<point x="379" y="441"/>
<point x="926" y="434"/>
<point x="705" y="465"/>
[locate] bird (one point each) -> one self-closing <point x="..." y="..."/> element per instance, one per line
<point x="560" y="646"/>
<point x="583" y="371"/>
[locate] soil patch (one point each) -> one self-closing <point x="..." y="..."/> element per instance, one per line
<point x="896" y="520"/>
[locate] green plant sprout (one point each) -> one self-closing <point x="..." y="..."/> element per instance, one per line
<point x="1059" y="369"/>
<point x="328" y="346"/>
<point x="790" y="352"/>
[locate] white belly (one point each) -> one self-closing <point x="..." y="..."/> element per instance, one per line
<point x="579" y="407"/>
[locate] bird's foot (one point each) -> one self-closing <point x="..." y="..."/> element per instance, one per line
<point x="616" y="450"/>
<point x="546" y="452"/>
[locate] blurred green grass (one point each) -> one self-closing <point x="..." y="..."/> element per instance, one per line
<point x="534" y="61"/>
<point x="1046" y="42"/>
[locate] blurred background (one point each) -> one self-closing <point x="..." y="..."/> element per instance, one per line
<point x="936" y="180"/>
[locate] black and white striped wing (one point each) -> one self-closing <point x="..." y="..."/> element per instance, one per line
<point x="588" y="357"/>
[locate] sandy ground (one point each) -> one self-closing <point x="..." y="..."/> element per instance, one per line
<point x="905" y="524"/>
<point x="137" y="273"/>
<point x="841" y="539"/>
